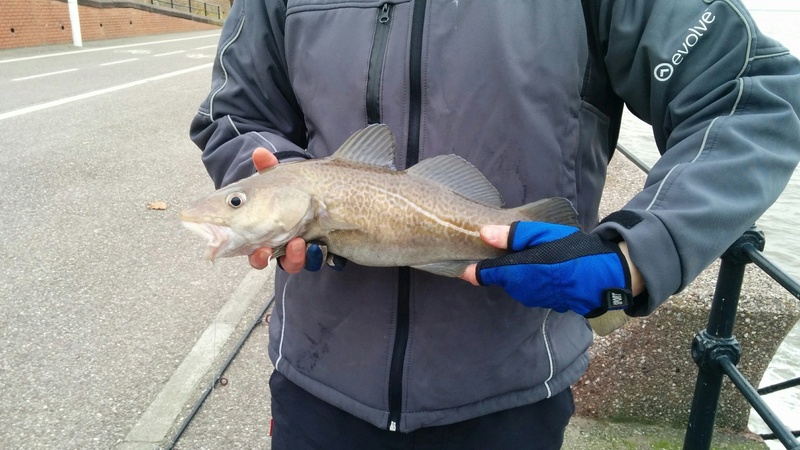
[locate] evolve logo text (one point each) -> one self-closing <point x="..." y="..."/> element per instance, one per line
<point x="664" y="71"/>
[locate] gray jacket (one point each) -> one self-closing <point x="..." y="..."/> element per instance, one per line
<point x="532" y="94"/>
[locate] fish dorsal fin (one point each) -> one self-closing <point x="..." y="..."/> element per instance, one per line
<point x="458" y="175"/>
<point x="373" y="145"/>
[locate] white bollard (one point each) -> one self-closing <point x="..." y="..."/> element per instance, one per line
<point x="75" y="22"/>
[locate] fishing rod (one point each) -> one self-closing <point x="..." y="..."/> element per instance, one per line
<point x="218" y="377"/>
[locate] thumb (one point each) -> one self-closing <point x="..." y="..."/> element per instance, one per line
<point x="470" y="276"/>
<point x="263" y="159"/>
<point x="496" y="235"/>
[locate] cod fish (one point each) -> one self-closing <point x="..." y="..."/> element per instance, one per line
<point x="427" y="217"/>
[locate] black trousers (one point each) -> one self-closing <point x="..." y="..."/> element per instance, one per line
<point x="303" y="422"/>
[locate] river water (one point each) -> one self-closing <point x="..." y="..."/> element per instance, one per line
<point x="779" y="19"/>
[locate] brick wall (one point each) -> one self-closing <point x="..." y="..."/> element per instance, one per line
<point x="25" y="23"/>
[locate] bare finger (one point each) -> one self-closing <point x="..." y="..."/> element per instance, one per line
<point x="469" y="275"/>
<point x="496" y="235"/>
<point x="259" y="259"/>
<point x="263" y="158"/>
<point x="295" y="258"/>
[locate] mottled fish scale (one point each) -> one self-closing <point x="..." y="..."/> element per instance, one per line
<point x="401" y="219"/>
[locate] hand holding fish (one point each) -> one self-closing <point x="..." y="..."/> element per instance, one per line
<point x="295" y="258"/>
<point x="558" y="267"/>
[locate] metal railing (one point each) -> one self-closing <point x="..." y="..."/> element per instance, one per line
<point x="192" y="6"/>
<point x="716" y="351"/>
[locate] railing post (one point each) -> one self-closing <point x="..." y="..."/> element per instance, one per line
<point x="716" y="342"/>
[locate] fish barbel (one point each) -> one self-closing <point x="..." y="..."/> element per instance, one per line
<point x="427" y="217"/>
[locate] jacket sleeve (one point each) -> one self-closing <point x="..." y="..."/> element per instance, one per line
<point x="723" y="101"/>
<point x="251" y="103"/>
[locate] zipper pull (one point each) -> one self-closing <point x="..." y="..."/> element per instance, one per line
<point x="383" y="17"/>
<point x="392" y="426"/>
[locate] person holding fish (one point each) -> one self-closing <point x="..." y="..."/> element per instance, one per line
<point x="389" y="134"/>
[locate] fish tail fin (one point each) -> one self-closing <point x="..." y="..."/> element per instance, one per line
<point x="553" y="210"/>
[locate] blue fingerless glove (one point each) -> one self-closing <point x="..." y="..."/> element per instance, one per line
<point x="317" y="255"/>
<point x="561" y="268"/>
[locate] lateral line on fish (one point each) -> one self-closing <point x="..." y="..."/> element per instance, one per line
<point x="428" y="214"/>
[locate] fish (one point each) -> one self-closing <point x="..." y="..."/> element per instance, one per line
<point x="363" y="209"/>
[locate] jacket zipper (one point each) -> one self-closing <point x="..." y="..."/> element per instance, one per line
<point x="376" y="58"/>
<point x="415" y="83"/>
<point x="412" y="157"/>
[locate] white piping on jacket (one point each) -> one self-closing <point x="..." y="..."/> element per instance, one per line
<point x="549" y="354"/>
<point x="222" y="65"/>
<point x="747" y="60"/>
<point x="267" y="141"/>
<point x="283" y="323"/>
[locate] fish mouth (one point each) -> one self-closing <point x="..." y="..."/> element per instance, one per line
<point x="217" y="236"/>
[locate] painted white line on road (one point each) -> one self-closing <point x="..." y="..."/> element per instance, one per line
<point x="26" y="58"/>
<point x="157" y="420"/>
<point x="74" y="98"/>
<point x="169" y="53"/>
<point x="119" y="62"/>
<point x="206" y="46"/>
<point x="43" y="75"/>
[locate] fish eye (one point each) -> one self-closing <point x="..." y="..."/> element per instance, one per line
<point x="235" y="199"/>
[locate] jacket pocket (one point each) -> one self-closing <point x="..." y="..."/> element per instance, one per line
<point x="335" y="56"/>
<point x="591" y="163"/>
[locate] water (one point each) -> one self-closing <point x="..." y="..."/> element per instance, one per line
<point x="778" y="19"/>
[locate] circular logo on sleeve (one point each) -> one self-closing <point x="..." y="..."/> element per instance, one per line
<point x="663" y="71"/>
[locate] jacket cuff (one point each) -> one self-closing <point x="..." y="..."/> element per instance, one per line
<point x="233" y="160"/>
<point x="652" y="250"/>
<point x="291" y="155"/>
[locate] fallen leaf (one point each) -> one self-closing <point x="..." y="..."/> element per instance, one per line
<point x="158" y="206"/>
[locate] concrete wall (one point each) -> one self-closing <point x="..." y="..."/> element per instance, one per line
<point x="644" y="372"/>
<point x="25" y="23"/>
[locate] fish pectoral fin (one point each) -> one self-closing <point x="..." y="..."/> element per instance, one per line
<point x="338" y="225"/>
<point x="328" y="223"/>
<point x="452" y="269"/>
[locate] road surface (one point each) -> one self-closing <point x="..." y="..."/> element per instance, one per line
<point x="110" y="321"/>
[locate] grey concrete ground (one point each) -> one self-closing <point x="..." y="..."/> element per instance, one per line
<point x="111" y="325"/>
<point x="102" y="299"/>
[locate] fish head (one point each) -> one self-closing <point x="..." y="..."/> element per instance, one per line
<point x="242" y="217"/>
